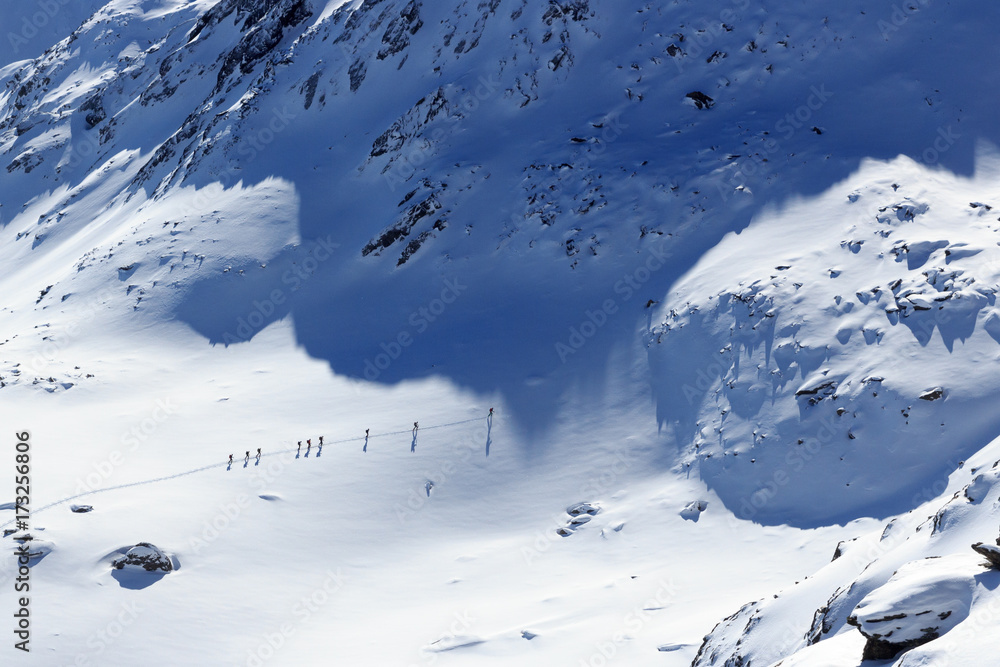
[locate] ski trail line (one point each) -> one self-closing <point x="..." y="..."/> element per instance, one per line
<point x="226" y="463"/>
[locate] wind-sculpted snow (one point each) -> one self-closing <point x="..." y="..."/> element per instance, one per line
<point x="826" y="361"/>
<point x="544" y="134"/>
<point x="774" y="225"/>
<point x="915" y="588"/>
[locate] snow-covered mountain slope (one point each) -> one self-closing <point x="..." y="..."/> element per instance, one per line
<point x="915" y="576"/>
<point x="726" y="269"/>
<point x="851" y="361"/>
<point x="525" y="135"/>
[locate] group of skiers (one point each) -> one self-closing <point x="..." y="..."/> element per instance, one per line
<point x="309" y="444"/>
<point x="246" y="459"/>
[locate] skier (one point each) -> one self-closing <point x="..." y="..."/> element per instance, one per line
<point x="415" y="427"/>
<point x="248" y="456"/>
<point x="366" y="434"/>
<point x="491" y="413"/>
<point x="258" y="452"/>
<point x="320" y="441"/>
<point x="300" y="446"/>
<point x="230" y="459"/>
<point x="309" y="444"/>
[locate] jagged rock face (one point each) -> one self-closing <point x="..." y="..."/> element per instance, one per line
<point x="530" y="132"/>
<point x="202" y="130"/>
<point x="990" y="552"/>
<point x="263" y="29"/>
<point x="144" y="556"/>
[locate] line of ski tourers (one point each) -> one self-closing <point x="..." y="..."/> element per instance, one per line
<point x="246" y="459"/>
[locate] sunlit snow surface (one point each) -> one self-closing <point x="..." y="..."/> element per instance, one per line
<point x="230" y="226"/>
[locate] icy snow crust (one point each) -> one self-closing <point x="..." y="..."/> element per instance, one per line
<point x="725" y="270"/>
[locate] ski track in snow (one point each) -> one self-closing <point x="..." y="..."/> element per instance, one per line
<point x="821" y="345"/>
<point x="226" y="463"/>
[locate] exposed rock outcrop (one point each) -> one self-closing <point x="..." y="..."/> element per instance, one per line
<point x="145" y="556"/>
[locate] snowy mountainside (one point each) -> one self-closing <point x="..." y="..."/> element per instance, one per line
<point x="835" y="358"/>
<point x="811" y="623"/>
<point x="535" y="133"/>
<point x="726" y="269"/>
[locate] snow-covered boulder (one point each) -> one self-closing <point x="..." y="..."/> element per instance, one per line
<point x="932" y="394"/>
<point x="580" y="514"/>
<point x="144" y="556"/>
<point x="981" y="485"/>
<point x="578" y="509"/>
<point x="692" y="511"/>
<point x="923" y="600"/>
